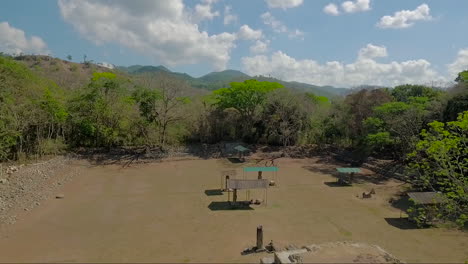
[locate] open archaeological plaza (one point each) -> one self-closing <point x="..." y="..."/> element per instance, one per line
<point x="177" y="211"/>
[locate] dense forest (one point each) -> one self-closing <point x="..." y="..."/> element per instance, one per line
<point x="64" y="106"/>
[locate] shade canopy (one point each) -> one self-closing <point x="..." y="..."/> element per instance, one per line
<point x="247" y="184"/>
<point x="426" y="197"/>
<point x="251" y="169"/>
<point x="348" y="170"/>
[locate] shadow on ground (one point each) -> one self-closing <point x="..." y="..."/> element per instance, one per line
<point x="358" y="178"/>
<point x="402" y="202"/>
<point x="235" y="160"/>
<point x="227" y="206"/>
<point x="401" y="223"/>
<point x="336" y="184"/>
<point x="213" y="192"/>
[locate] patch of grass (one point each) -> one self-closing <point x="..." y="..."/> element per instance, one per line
<point x="341" y="230"/>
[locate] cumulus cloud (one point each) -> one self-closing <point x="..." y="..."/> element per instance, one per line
<point x="331" y="9"/>
<point x="356" y="6"/>
<point x="203" y="11"/>
<point x="347" y="7"/>
<point x="161" y="29"/>
<point x="296" y="34"/>
<point x="246" y="33"/>
<point x="14" y="41"/>
<point x="405" y="18"/>
<point x="229" y="17"/>
<point x="284" y="4"/>
<point x="372" y="51"/>
<point x="364" y="70"/>
<point x="460" y="64"/>
<point x="260" y="46"/>
<point x="279" y="27"/>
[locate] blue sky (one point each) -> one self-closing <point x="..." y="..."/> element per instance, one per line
<point x="418" y="42"/>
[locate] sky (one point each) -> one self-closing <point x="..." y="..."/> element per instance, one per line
<point x="321" y="42"/>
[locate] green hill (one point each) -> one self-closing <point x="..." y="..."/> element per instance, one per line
<point x="224" y="76"/>
<point x="217" y="80"/>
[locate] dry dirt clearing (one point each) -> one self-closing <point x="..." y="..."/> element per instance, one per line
<point x="160" y="212"/>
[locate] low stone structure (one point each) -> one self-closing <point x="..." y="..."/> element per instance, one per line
<point x="335" y="252"/>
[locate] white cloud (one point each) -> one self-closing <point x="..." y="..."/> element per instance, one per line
<point x="106" y="65"/>
<point x="160" y="29"/>
<point x="203" y="11"/>
<point x="279" y="27"/>
<point x="364" y="70"/>
<point x="14" y="41"/>
<point x="275" y="24"/>
<point x="331" y="9"/>
<point x="347" y="7"/>
<point x="260" y="46"/>
<point x="372" y="51"/>
<point x="356" y="6"/>
<point x="245" y="32"/>
<point x="284" y="4"/>
<point x="405" y="18"/>
<point x="228" y="16"/>
<point x="460" y="64"/>
<point x="296" y="34"/>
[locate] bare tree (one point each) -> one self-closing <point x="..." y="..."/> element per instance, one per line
<point x="161" y="100"/>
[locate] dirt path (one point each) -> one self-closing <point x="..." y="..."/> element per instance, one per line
<point x="160" y="212"/>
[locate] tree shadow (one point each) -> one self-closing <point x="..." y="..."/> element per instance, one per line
<point x="228" y="206"/>
<point x="218" y="150"/>
<point x="401" y="223"/>
<point x="235" y="160"/>
<point x="336" y="184"/>
<point x="402" y="202"/>
<point x="213" y="192"/>
<point x="118" y="156"/>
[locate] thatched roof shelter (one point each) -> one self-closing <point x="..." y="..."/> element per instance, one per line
<point x="426" y="197"/>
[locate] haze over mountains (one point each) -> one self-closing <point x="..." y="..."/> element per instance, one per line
<point x="216" y="80"/>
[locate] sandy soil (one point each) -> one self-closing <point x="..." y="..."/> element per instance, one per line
<point x="160" y="212"/>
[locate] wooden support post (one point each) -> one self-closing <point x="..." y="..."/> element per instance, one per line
<point x="226" y="183"/>
<point x="259" y="237"/>
<point x="234" y="196"/>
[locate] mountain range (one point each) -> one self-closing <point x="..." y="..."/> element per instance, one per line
<point x="216" y="80"/>
<point x="72" y="75"/>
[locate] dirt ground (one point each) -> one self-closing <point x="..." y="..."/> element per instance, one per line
<point x="164" y="212"/>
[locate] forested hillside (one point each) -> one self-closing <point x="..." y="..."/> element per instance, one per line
<point x="49" y="106"/>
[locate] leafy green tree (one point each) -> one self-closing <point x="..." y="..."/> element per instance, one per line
<point x="103" y="113"/>
<point x="440" y="163"/>
<point x="30" y="110"/>
<point x="322" y="100"/>
<point x="404" y="93"/>
<point x="462" y="77"/>
<point x="247" y="98"/>
<point x="284" y="118"/>
<point x="359" y="107"/>
<point x="458" y="101"/>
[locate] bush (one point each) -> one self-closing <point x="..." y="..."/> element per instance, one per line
<point x="52" y="146"/>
